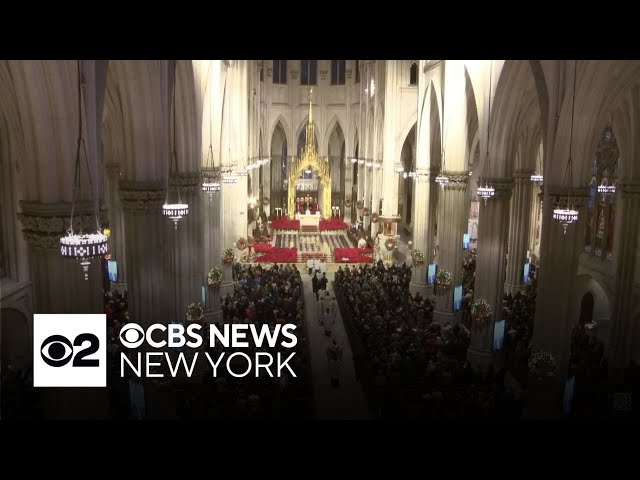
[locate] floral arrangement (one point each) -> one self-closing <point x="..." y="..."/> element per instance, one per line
<point x="390" y="244"/>
<point x="228" y="256"/>
<point x="214" y="277"/>
<point x="248" y="257"/>
<point x="481" y="310"/>
<point x="542" y="364"/>
<point x="365" y="212"/>
<point x="360" y="204"/>
<point x="417" y="256"/>
<point x="590" y="326"/>
<point x="265" y="201"/>
<point x="444" y="278"/>
<point x="241" y="244"/>
<point x="347" y="203"/>
<point x="374" y="217"/>
<point x="195" y="312"/>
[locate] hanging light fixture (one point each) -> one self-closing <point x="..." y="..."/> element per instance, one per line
<point x="398" y="168"/>
<point x="80" y="246"/>
<point x="175" y="211"/>
<point x="210" y="183"/>
<point x="605" y="188"/>
<point x="442" y="179"/>
<point x="536" y="177"/>
<point x="568" y="215"/>
<point x="486" y="191"/>
<point x="210" y="178"/>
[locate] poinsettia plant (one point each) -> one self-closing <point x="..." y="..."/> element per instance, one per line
<point x="417" y="256"/>
<point x="195" y="312"/>
<point x="542" y="364"/>
<point x="374" y="217"/>
<point x="347" y="203"/>
<point x="365" y="212"/>
<point x="359" y="204"/>
<point x="444" y="278"/>
<point x="228" y="256"/>
<point x="214" y="277"/>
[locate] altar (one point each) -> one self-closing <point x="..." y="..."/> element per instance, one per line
<point x="309" y="220"/>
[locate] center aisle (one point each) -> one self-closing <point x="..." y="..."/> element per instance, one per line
<point x="346" y="401"/>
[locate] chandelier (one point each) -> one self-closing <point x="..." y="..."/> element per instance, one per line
<point x="354" y="160"/>
<point x="210" y="183"/>
<point x="398" y="168"/>
<point x="486" y="191"/>
<point x="536" y="178"/>
<point x="568" y="215"/>
<point x="175" y="211"/>
<point x="605" y="189"/>
<point x="442" y="179"/>
<point x="80" y="246"/>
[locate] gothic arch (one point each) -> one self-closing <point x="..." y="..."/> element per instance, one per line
<point x="330" y="128"/>
<point x="285" y="128"/>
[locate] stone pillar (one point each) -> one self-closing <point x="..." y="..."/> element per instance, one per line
<point x="146" y="231"/>
<point x="493" y="228"/>
<point x="623" y="330"/>
<point x="43" y="225"/>
<point x="212" y="255"/>
<point x="390" y="153"/>
<point x="519" y="226"/>
<point x="424" y="219"/>
<point x="375" y="200"/>
<point x="556" y="314"/>
<point x="348" y="186"/>
<point x="453" y="207"/>
<point x="116" y="223"/>
<point x="186" y="246"/>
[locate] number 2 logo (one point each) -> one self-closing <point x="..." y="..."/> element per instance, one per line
<point x="57" y="350"/>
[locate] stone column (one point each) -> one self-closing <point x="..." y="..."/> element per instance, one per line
<point x="43" y="225"/>
<point x="556" y="314"/>
<point x="375" y="200"/>
<point x="519" y="225"/>
<point x="116" y="223"/>
<point x="424" y="219"/>
<point x="390" y="151"/>
<point x="623" y="330"/>
<point x="348" y="186"/>
<point x="212" y="255"/>
<point x="453" y="208"/>
<point x="146" y="231"/>
<point x="493" y="228"/>
<point x="186" y="246"/>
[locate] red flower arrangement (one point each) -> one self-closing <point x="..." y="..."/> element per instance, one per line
<point x="374" y="217"/>
<point x="365" y="212"/>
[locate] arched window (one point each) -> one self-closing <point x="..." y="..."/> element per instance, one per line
<point x="601" y="209"/>
<point x="308" y="72"/>
<point x="413" y="74"/>
<point x="357" y="67"/>
<point x="337" y="72"/>
<point x="280" y="71"/>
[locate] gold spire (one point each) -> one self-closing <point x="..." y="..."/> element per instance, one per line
<point x="310" y="144"/>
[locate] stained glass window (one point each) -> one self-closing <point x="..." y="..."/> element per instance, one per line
<point x="600" y="223"/>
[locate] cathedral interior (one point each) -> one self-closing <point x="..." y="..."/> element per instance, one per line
<point x="450" y="238"/>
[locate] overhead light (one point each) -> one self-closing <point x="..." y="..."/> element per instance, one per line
<point x="175" y="211"/>
<point x="486" y="192"/>
<point x="536" y="178"/>
<point x="361" y="161"/>
<point x="442" y="180"/>
<point x="369" y="164"/>
<point x="566" y="216"/>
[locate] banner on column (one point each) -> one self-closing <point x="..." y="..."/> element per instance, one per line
<point x="466" y="241"/>
<point x="457" y="298"/>
<point x="431" y="274"/>
<point x="112" y="268"/>
<point x="498" y="335"/>
<point x="525" y="277"/>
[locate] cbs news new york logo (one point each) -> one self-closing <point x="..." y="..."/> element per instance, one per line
<point x="69" y="350"/>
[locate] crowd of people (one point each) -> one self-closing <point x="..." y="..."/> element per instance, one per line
<point x="409" y="364"/>
<point x="518" y="311"/>
<point x="265" y="296"/>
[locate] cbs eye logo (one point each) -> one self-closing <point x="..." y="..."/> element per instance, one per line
<point x="58" y="350"/>
<point x="69" y="350"/>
